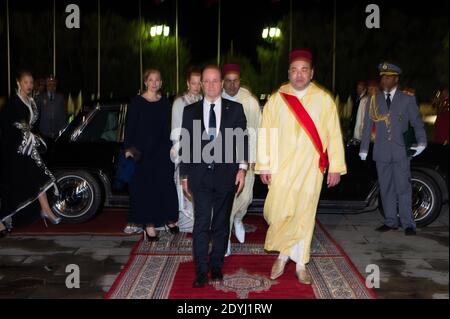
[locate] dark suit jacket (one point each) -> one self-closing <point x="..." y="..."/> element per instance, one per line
<point x="194" y="166"/>
<point x="52" y="115"/>
<point x="390" y="146"/>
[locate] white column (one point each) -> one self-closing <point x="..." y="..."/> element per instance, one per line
<point x="333" y="82"/>
<point x="8" y="48"/>
<point x="140" y="46"/>
<point x="177" y="49"/>
<point x="54" y="38"/>
<point x="218" y="33"/>
<point x="98" y="52"/>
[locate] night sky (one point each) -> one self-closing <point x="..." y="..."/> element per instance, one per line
<point x="242" y="20"/>
<point x="242" y="23"/>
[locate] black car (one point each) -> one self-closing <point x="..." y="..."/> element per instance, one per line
<point x="84" y="159"/>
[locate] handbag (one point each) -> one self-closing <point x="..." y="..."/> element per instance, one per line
<point x="125" y="169"/>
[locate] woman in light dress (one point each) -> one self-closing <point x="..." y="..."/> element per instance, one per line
<point x="193" y="94"/>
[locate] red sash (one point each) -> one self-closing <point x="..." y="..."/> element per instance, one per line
<point x="308" y="125"/>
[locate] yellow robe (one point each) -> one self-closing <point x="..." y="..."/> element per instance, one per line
<point x="288" y="153"/>
<point x="252" y="112"/>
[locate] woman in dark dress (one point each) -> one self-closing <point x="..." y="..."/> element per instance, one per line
<point x="24" y="176"/>
<point x="154" y="201"/>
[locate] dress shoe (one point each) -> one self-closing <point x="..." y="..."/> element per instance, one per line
<point x="277" y="268"/>
<point x="149" y="238"/>
<point x="216" y="274"/>
<point x="303" y="276"/>
<point x="410" y="232"/>
<point x="239" y="230"/>
<point x="385" y="228"/>
<point x="228" y="252"/>
<point x="132" y="229"/>
<point x="54" y="221"/>
<point x="173" y="230"/>
<point x="8" y="223"/>
<point x="201" y="280"/>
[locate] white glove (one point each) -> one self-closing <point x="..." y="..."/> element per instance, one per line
<point x="363" y="156"/>
<point x="128" y="154"/>
<point x="419" y="149"/>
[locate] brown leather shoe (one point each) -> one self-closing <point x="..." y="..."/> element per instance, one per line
<point x="303" y="276"/>
<point x="277" y="268"/>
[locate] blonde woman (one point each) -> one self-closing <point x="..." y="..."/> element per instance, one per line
<point x="147" y="140"/>
<point x="24" y="176"/>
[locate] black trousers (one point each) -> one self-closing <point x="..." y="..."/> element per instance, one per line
<point x="212" y="210"/>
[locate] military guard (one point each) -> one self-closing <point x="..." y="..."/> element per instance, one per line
<point x="393" y="113"/>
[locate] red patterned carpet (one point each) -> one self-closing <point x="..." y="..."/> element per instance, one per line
<point x="165" y="270"/>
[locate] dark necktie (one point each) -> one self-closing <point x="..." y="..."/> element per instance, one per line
<point x="212" y="123"/>
<point x="388" y="100"/>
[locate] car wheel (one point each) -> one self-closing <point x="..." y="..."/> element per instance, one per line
<point x="79" y="198"/>
<point x="426" y="199"/>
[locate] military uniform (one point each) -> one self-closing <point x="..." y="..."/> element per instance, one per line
<point x="393" y="112"/>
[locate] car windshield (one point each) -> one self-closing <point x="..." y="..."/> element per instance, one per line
<point x="68" y="130"/>
<point x="103" y="127"/>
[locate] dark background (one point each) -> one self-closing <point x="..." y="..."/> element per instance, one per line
<point x="413" y="35"/>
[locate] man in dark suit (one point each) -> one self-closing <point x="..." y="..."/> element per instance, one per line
<point x="393" y="111"/>
<point x="52" y="112"/>
<point x="212" y="170"/>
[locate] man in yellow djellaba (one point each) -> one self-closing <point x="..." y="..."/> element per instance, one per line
<point x="299" y="142"/>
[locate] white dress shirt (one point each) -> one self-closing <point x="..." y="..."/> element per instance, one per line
<point x="217" y="110"/>
<point x="391" y="92"/>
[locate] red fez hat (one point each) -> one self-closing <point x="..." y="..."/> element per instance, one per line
<point x="229" y="68"/>
<point x="301" y="54"/>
